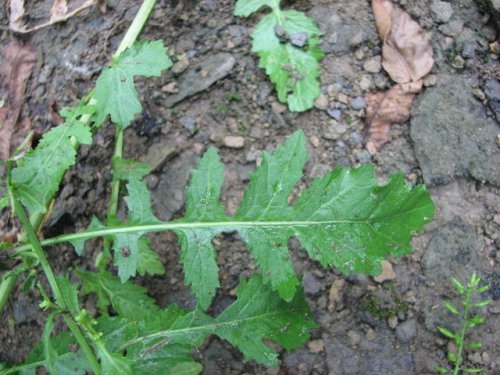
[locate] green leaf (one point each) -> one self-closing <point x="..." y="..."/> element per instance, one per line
<point x="441" y="370"/>
<point x="125" y="169"/>
<point x="69" y="293"/>
<point x="258" y="313"/>
<point x="37" y="177"/>
<point x="292" y="67"/>
<point x="197" y="253"/>
<point x="458" y="285"/>
<point x="344" y="219"/>
<point x="148" y="261"/>
<point x="452" y="357"/>
<point x="446" y="332"/>
<point x="293" y="70"/>
<point x="128" y="299"/>
<point x="246" y="7"/>
<point x="483" y="289"/>
<point x="163" y="357"/>
<point x="450" y="308"/>
<point x="62" y="360"/>
<point x="483" y="303"/>
<point x="474" y="345"/>
<point x="472" y="370"/>
<point x="115" y="90"/>
<point x="49" y="352"/>
<point x="114" y="363"/>
<point x="4" y="201"/>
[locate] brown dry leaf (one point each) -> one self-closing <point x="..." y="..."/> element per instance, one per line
<point x="407" y="53"/>
<point x="386" y="108"/>
<point x="16" y="14"/>
<point x="18" y="62"/>
<point x="59" y="12"/>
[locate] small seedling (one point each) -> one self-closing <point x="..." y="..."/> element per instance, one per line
<point x="469" y="320"/>
<point x="344" y="219"/>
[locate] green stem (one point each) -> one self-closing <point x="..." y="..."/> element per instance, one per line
<point x="83" y="344"/>
<point x="59" y="297"/>
<point x="136" y="26"/>
<point x="465" y="322"/>
<point x="103" y="257"/>
<point x="8" y="282"/>
<point x="38" y="250"/>
<point x="218" y="226"/>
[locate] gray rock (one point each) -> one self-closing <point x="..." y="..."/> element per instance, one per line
<point x="311" y="284"/>
<point x="363" y="156"/>
<point x="339" y="36"/>
<point x="335" y="113"/>
<point x="334" y="131"/>
<point x="358" y="103"/>
<point x="373" y="65"/>
<point x="453" y="136"/>
<point x="189" y="123"/>
<point x="202" y="76"/>
<point x="494" y="6"/>
<point x="452" y="251"/>
<point x="406" y="331"/>
<point x="375" y="357"/>
<point x="469" y="50"/>
<point x="169" y="196"/>
<point x="158" y="154"/>
<point x="452" y="28"/>
<point x="441" y="11"/>
<point x="492" y="89"/>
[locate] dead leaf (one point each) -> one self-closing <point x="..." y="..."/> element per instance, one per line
<point x="18" y="62"/>
<point x="386" y="108"/>
<point x="59" y="12"/>
<point x="407" y="53"/>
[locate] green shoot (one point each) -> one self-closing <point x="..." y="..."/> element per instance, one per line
<point x="469" y="320"/>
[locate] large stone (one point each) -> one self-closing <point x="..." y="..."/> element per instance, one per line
<point x="337" y="33"/>
<point x="452" y="251"/>
<point x="453" y="135"/>
<point x="494" y="7"/>
<point x="202" y="76"/>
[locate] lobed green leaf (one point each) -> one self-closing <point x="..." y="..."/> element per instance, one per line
<point x="115" y="90"/>
<point x="38" y="174"/>
<point x="258" y="313"/>
<point x="292" y="67"/>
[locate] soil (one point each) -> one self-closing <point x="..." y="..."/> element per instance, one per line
<point x="366" y="326"/>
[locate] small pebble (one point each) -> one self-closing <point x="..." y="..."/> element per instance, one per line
<point x="334" y="113"/>
<point x="335" y="295"/>
<point x="430" y="80"/>
<point x="392" y="322"/>
<point x="314" y="141"/>
<point x="363" y="156"/>
<point x="406" y="331"/>
<point x="316" y="346"/>
<point x="458" y="62"/>
<point x="387" y="273"/>
<point x="358" y="103"/>
<point x="441" y="11"/>
<point x="181" y="65"/>
<point x="354" y="338"/>
<point x="371" y="335"/>
<point x="321" y="102"/>
<point x="373" y="65"/>
<point x="233" y="141"/>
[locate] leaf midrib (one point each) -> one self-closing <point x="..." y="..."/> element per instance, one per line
<point x="218" y="226"/>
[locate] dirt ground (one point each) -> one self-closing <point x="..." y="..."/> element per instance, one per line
<point x="452" y="143"/>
